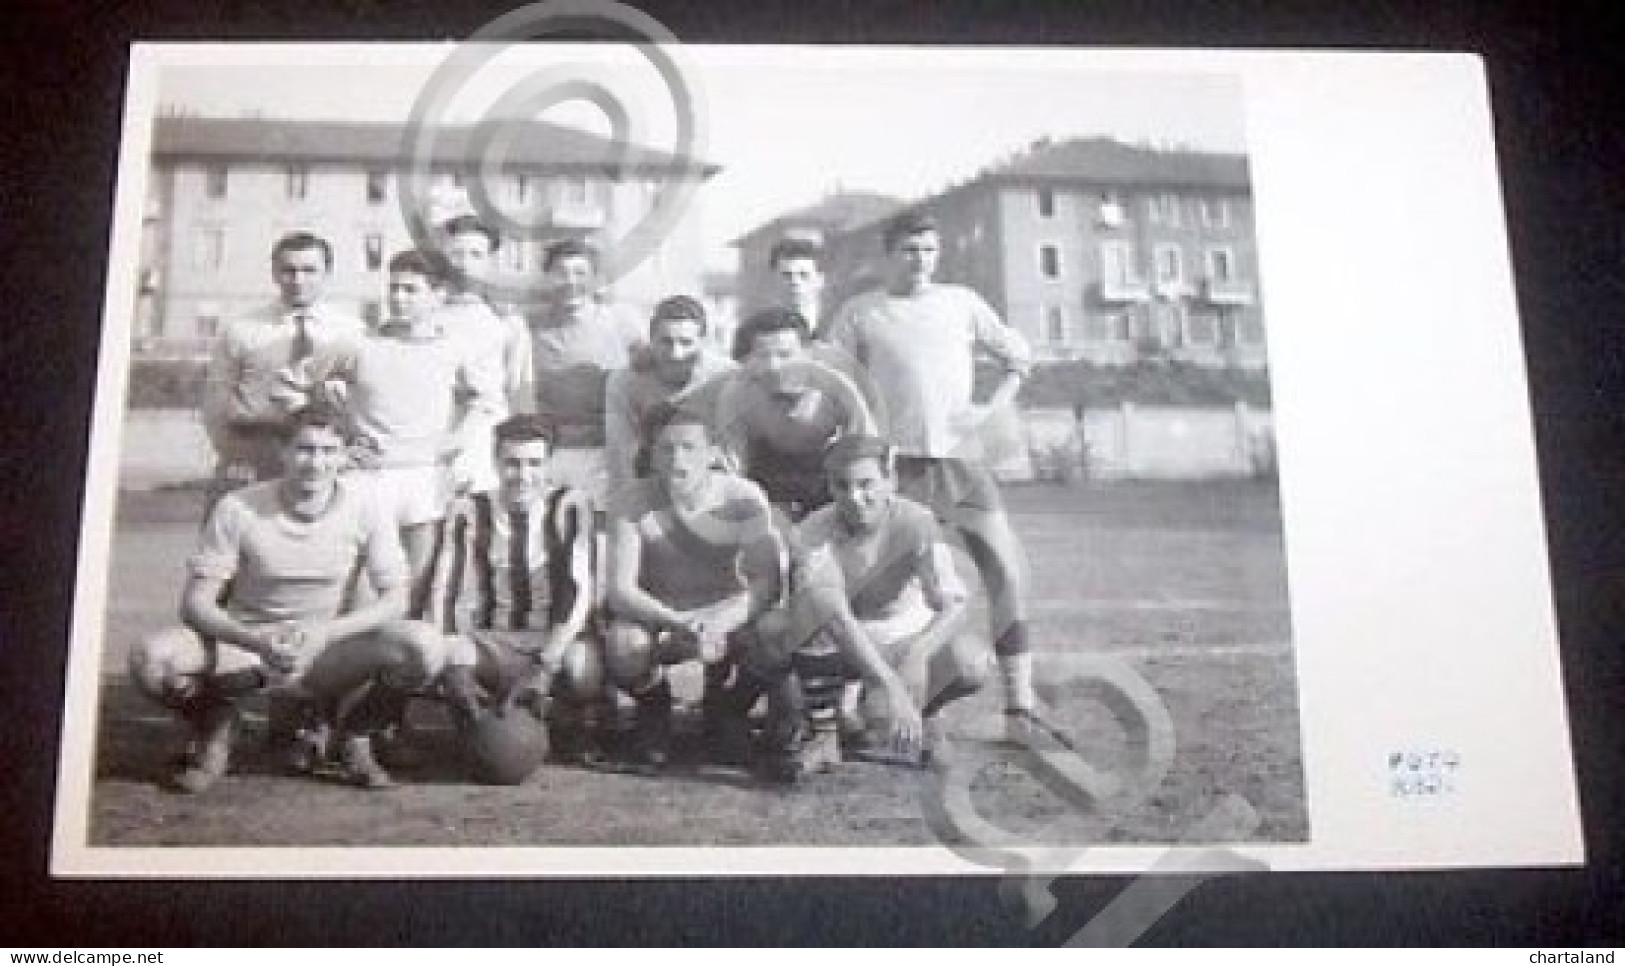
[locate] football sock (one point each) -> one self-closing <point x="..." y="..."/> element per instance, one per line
<point x="1016" y="673"/>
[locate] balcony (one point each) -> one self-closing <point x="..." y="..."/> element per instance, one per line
<point x="1119" y="291"/>
<point x="1226" y="292"/>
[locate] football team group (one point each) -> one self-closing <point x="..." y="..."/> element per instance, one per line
<point x="534" y="517"/>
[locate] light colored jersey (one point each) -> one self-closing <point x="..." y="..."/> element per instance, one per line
<point x="251" y="360"/>
<point x="897" y="577"/>
<point x="478" y="583"/>
<point x="689" y="560"/>
<point x="283" y="568"/>
<point x="571" y="362"/>
<point x="920" y="351"/>
<point x="637" y="403"/>
<point x="403" y="391"/>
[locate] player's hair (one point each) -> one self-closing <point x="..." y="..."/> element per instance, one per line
<point x="319" y="415"/>
<point x="795" y="246"/>
<point x="681" y="416"/>
<point x="568" y="248"/>
<point x="677" y="307"/>
<point x="468" y="224"/>
<point x="767" y="321"/>
<point x="416" y="261"/>
<point x="523" y="428"/>
<point x="843" y="451"/>
<point x="303" y="241"/>
<point x="906" y="224"/>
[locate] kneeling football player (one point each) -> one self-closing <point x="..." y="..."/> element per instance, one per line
<point x="512" y="589"/>
<point x="263" y="605"/>
<point x="694" y="561"/>
<point x="901" y="596"/>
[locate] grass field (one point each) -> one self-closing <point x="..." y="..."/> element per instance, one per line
<point x="1185" y="582"/>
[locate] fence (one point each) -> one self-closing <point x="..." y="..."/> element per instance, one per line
<point x="1146" y="442"/>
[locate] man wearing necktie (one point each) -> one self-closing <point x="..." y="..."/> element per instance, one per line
<point x="256" y="364"/>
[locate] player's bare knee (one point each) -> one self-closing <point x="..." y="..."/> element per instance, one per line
<point x="166" y="664"/>
<point x="409" y="653"/>
<point x="582" y="673"/>
<point x="628" y="655"/>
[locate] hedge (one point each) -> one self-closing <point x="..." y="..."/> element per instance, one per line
<point x="166" y="383"/>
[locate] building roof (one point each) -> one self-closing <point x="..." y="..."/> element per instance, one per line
<point x="277" y="139"/>
<point x="837" y="212"/>
<point x="1103" y="160"/>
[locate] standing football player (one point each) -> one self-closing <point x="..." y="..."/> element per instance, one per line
<point x="680" y="370"/>
<point x="576" y="342"/>
<point x="492" y="338"/>
<point x="256" y="358"/>
<point x="777" y="413"/>
<point x="919" y="338"/>
<point x="418" y="405"/>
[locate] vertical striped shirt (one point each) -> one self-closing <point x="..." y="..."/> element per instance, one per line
<point x="476" y="584"/>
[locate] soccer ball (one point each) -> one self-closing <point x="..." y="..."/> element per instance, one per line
<point x="504" y="749"/>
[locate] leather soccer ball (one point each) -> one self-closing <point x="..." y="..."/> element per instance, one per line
<point x="505" y="749"/>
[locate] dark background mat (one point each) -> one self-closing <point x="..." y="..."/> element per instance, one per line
<point x="1553" y="70"/>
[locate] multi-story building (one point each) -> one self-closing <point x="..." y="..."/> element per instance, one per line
<point x="221" y="191"/>
<point x="821" y="222"/>
<point x="1102" y="251"/>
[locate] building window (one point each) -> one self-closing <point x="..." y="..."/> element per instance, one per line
<point x="1049" y="261"/>
<point x="377" y="186"/>
<point x="1169" y="264"/>
<point x="373" y="248"/>
<point x="209" y="249"/>
<point x="1163" y="209"/>
<point x="1055" y="329"/>
<point x="1168" y="324"/>
<point x="1221" y="265"/>
<point x="214" y="181"/>
<point x="1117" y="266"/>
<point x="1216" y="212"/>
<point x="1046" y="202"/>
<point x="1202" y="328"/>
<point x="298" y="182"/>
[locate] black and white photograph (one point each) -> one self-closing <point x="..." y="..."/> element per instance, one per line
<point x="561" y="458"/>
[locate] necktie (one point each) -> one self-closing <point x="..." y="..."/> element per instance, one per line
<point x="303" y="348"/>
<point x="519" y="566"/>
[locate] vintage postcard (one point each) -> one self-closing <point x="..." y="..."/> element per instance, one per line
<point x="517" y="457"/>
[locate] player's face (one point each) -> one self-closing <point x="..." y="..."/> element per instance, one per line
<point x="863" y="490"/>
<point x="469" y="253"/>
<point x="800" y="282"/>
<point x="522" y="471"/>
<point x="683" y="457"/>
<point x="773" y="356"/>
<point x="573" y="279"/>
<point x="313" y="458"/>
<point x="915" y="257"/>
<point x="675" y="344"/>
<point x="411" y="296"/>
<point x="300" y="275"/>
